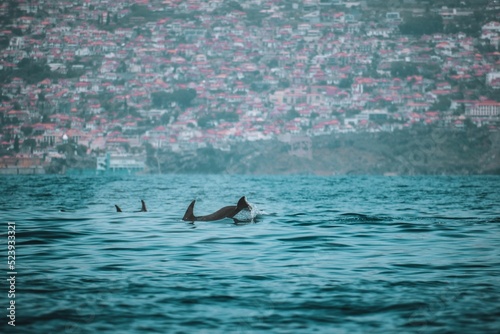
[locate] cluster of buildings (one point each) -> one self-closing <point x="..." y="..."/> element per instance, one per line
<point x="261" y="69"/>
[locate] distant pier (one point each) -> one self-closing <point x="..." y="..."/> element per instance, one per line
<point x="21" y="165"/>
<point x="13" y="170"/>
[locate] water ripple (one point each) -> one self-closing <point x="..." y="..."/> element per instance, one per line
<point x="357" y="254"/>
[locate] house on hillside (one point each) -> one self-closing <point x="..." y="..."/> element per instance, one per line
<point x="484" y="111"/>
<point x="491" y="32"/>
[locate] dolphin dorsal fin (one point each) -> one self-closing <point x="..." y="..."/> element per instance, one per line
<point x="242" y="204"/>
<point x="143" y="208"/>
<point x="189" y="215"/>
<point x="118" y="208"/>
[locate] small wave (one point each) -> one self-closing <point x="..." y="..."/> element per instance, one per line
<point x="306" y="238"/>
<point x="111" y="267"/>
<point x="37" y="195"/>
<point x="34" y="241"/>
<point x="46" y="235"/>
<point x="247" y="215"/>
<point x="255" y="277"/>
<point x="454" y="235"/>
<point x="224" y="240"/>
<point x="452" y="218"/>
<point x="349" y="216"/>
<point x="59" y="218"/>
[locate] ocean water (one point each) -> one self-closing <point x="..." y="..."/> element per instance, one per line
<point x="341" y="254"/>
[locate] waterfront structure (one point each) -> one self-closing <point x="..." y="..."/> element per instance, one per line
<point x="121" y="163"/>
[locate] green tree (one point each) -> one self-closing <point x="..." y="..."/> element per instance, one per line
<point x="29" y="143"/>
<point x="425" y="25"/>
<point x="292" y="113"/>
<point x="442" y="104"/>
<point x="27" y="130"/>
<point x="140" y="10"/>
<point x="160" y="99"/>
<point x="205" y="121"/>
<point x="228" y="116"/>
<point x="235" y="5"/>
<point x="402" y="69"/>
<point x="345" y="83"/>
<point x="184" y="97"/>
<point x="16" y="144"/>
<point x="273" y="63"/>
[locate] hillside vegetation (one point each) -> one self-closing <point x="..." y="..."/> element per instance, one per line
<point x="424" y="150"/>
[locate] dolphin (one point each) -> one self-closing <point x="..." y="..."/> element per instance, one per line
<point x="143" y="207"/>
<point x="225" y="212"/>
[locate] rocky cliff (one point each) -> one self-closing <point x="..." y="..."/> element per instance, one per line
<point x="420" y="150"/>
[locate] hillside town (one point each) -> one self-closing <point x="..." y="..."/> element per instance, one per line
<point x="124" y="79"/>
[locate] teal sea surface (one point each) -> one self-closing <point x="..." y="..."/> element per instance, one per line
<point x="336" y="254"/>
